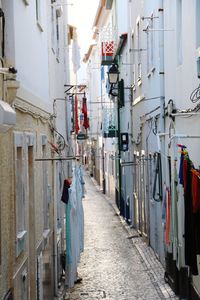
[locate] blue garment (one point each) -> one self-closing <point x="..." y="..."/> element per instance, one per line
<point x="68" y="232"/>
<point x="181" y="181"/>
<point x="74" y="227"/>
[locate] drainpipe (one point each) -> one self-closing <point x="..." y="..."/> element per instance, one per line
<point x="162" y="98"/>
<point x="103" y="150"/>
<point x="55" y="253"/>
<point x="161" y="67"/>
<point x="54" y="193"/>
<point x="119" y="156"/>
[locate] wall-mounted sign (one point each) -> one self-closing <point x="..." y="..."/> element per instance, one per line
<point x="82" y="136"/>
<point x="124" y="141"/>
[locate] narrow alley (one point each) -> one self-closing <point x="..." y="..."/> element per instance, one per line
<point x="102" y="96"/>
<point x="116" y="263"/>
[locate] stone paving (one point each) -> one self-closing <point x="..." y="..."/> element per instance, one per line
<point x="114" y="266"/>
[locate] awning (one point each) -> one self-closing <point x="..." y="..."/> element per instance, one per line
<point x="121" y="44"/>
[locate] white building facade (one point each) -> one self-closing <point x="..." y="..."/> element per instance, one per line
<point x="32" y="215"/>
<point x="156" y="49"/>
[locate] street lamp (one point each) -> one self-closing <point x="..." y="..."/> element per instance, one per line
<point x="113" y="74"/>
<point x="113" y="79"/>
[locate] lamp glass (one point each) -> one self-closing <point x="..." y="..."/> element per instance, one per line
<point x="113" y="74"/>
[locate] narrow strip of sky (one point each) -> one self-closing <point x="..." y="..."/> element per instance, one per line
<point x="81" y="15"/>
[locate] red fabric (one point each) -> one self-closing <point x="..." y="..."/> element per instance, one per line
<point x="84" y="107"/>
<point x="167" y="232"/>
<point x="185" y="166"/>
<point x="76" y="126"/>
<point x="195" y="190"/>
<point x="68" y="182"/>
<point x="84" y="111"/>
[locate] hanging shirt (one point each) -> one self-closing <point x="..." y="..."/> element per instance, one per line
<point x="167" y="232"/>
<point x="195" y="190"/>
<point x="65" y="192"/>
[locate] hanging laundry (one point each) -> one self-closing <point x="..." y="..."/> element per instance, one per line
<point x="74" y="227"/>
<point x="81" y="119"/>
<point x="75" y="52"/>
<point x="196" y="208"/>
<point x="76" y="125"/>
<point x="167" y="232"/>
<point x="174" y="214"/>
<point x="195" y="190"/>
<point x="65" y="192"/>
<point x="181" y="166"/>
<point x="84" y="111"/>
<point x="190" y="244"/>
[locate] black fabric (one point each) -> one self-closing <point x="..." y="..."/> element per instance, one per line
<point x="65" y="192"/>
<point x="190" y="230"/>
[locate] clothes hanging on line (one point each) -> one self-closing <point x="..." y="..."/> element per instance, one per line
<point x="182" y="213"/>
<point x="195" y="190"/>
<point x="191" y="184"/>
<point x="74" y="227"/>
<point x="65" y="192"/>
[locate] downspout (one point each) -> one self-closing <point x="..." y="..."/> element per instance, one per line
<point x="162" y="105"/>
<point x="55" y="253"/>
<point x="161" y="69"/>
<point x="103" y="149"/>
<point x="119" y="157"/>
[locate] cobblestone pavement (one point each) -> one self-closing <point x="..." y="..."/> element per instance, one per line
<point x="115" y="266"/>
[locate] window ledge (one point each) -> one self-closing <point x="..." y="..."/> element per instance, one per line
<point x="134" y="87"/>
<point x="21" y="234"/>
<point x="139" y="81"/>
<point x="149" y="74"/>
<point x="46" y="233"/>
<point x="40" y="26"/>
<point x="138" y="99"/>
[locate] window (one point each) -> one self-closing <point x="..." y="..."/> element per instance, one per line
<point x="20" y="205"/>
<point x="198" y="23"/>
<point x="134" y="74"/>
<point x="39" y="14"/>
<point x="57" y="38"/>
<point x="152" y="39"/>
<point x="45" y="190"/>
<point x="139" y="52"/>
<point x="105" y="162"/>
<point x="150" y="45"/>
<point x="139" y="71"/>
<point x="112" y="165"/>
<point x="179" y="31"/>
<point x="148" y="50"/>
<point x="2" y="33"/>
<point x="20" y="192"/>
<point x="53" y="29"/>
